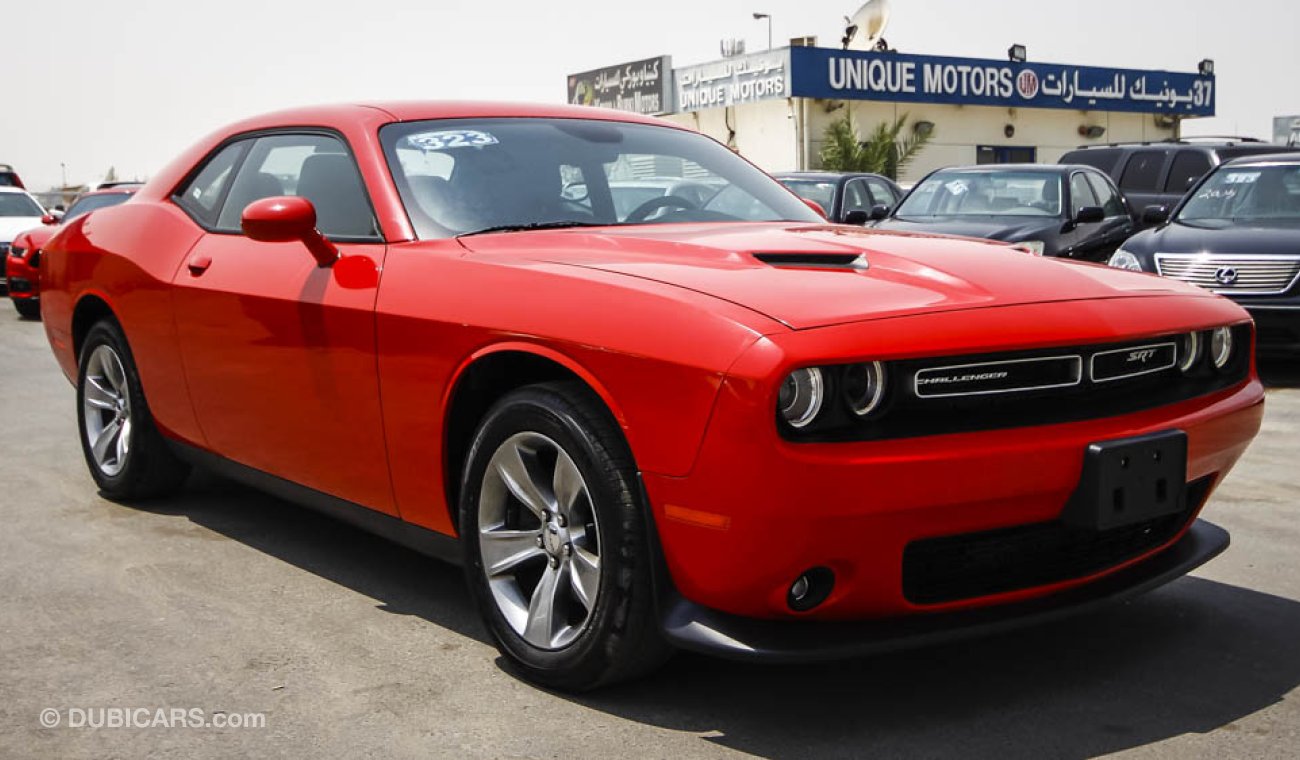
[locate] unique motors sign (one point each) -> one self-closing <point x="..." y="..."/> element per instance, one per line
<point x="640" y="86"/>
<point x="733" y="81"/>
<point x="854" y="75"/>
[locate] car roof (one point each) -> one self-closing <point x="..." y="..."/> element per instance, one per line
<point x="995" y="168"/>
<point x="1289" y="157"/>
<point x="435" y="109"/>
<point x="11" y="189"/>
<point x="114" y="190"/>
<point x="824" y="175"/>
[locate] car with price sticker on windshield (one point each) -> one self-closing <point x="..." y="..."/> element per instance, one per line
<point x="1237" y="233"/>
<point x="716" y="423"/>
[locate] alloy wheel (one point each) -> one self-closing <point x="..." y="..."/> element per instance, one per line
<point x="106" y="403"/>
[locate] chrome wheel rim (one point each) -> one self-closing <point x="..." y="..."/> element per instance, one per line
<point x="106" y="407"/>
<point x="539" y="540"/>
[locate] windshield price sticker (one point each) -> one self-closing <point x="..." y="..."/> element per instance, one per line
<point x="957" y="186"/>
<point x="451" y="138"/>
<point x="1241" y="178"/>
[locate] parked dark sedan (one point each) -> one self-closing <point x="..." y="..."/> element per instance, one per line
<point x="1073" y="211"/>
<point x="846" y="197"/>
<point x="1236" y="233"/>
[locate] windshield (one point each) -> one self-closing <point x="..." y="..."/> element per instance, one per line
<point x="1245" y="194"/>
<point x="89" y="203"/>
<point x="984" y="193"/>
<point x="18" y="204"/>
<point x="458" y="176"/>
<point x="822" y="193"/>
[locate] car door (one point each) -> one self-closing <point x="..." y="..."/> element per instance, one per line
<point x="1142" y="180"/>
<point x="279" y="352"/>
<point x="882" y="194"/>
<point x="1118" y="225"/>
<point x="856" y="197"/>
<point x="1080" y="241"/>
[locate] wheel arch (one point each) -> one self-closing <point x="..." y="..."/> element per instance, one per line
<point x="487" y="375"/>
<point x="91" y="308"/>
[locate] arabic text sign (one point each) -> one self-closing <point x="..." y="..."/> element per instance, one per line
<point x="853" y="75"/>
<point x="732" y="81"/>
<point x="639" y="86"/>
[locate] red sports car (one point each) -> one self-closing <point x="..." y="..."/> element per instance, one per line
<point x="715" y="423"/>
<point x="25" y="252"/>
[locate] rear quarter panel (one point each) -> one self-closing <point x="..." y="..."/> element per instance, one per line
<point x="126" y="256"/>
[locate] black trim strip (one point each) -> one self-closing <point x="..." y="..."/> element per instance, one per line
<point x="428" y="542"/>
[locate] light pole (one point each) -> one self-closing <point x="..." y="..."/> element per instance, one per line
<point x="768" y="18"/>
<point x="64" y="169"/>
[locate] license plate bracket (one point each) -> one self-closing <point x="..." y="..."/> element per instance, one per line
<point x="1130" y="480"/>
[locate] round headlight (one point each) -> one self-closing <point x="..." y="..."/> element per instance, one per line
<point x="1122" y="259"/>
<point x="801" y="396"/>
<point x="1221" y="346"/>
<point x="1189" y="351"/>
<point x="864" y="387"/>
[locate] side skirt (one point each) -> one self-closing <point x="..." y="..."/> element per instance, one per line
<point x="428" y="542"/>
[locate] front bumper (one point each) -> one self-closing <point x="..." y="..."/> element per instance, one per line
<point x="1277" y="327"/>
<point x="693" y="627"/>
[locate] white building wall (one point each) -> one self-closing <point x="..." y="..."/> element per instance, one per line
<point x="767" y="133"/>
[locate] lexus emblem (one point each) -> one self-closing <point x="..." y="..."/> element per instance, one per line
<point x="1226" y="275"/>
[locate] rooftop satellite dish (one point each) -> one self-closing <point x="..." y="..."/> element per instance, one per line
<point x="865" y="28"/>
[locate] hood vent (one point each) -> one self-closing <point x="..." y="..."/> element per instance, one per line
<point x="814" y="260"/>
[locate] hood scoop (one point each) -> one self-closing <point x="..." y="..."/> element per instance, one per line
<point x="847" y="261"/>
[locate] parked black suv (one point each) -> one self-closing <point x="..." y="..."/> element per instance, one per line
<point x="1161" y="173"/>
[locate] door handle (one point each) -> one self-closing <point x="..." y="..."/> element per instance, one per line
<point x="199" y="264"/>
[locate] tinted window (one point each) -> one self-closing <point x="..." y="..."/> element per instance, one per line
<point x="985" y="193"/>
<point x="9" y="179"/>
<point x="469" y="175"/>
<point x="1249" y="194"/>
<point x="18" y="204"/>
<point x="316" y="167"/>
<point x="89" y="203"/>
<point x="202" y="195"/>
<point x="1188" y="166"/>
<point x="1107" y="196"/>
<point x="1142" y="173"/>
<point x="1099" y="159"/>
<point x="821" y="193"/>
<point x="856" y="196"/>
<point x="1081" y="193"/>
<point x="881" y="193"/>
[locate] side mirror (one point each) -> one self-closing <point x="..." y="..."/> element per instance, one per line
<point x="51" y="219"/>
<point x="879" y="212"/>
<point x="1155" y="215"/>
<point x="284" y="219"/>
<point x="815" y="206"/>
<point x="1090" y="215"/>
<point x="857" y="217"/>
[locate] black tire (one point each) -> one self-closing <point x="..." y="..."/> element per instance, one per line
<point x="27" y="308"/>
<point x="149" y="468"/>
<point x="620" y="638"/>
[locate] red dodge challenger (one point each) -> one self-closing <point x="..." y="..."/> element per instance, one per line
<point x="712" y="422"/>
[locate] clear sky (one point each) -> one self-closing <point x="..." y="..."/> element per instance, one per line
<point x="93" y="84"/>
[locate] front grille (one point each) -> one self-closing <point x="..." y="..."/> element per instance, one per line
<point x="952" y="568"/>
<point x="1239" y="275"/>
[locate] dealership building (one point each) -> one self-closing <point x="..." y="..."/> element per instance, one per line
<point x="774" y="107"/>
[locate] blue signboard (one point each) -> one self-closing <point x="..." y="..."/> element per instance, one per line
<point x="855" y="75"/>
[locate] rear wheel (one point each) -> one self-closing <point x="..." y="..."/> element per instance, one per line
<point x="27" y="308"/>
<point x="125" y="453"/>
<point x="553" y="528"/>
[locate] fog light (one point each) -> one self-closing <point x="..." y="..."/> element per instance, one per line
<point x="810" y="589"/>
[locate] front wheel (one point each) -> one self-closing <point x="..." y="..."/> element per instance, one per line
<point x="27" y="308"/>
<point x="125" y="453"/>
<point x="554" y="532"/>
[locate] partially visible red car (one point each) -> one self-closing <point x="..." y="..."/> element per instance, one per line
<point x="25" y="252"/>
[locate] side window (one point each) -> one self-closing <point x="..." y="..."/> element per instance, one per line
<point x="856" y="196"/>
<point x="1080" y="193"/>
<point x="1107" y="196"/>
<point x="316" y="167"/>
<point x="1098" y="158"/>
<point x="1188" y="166"/>
<point x="881" y="193"/>
<point x="201" y="196"/>
<point x="1143" y="171"/>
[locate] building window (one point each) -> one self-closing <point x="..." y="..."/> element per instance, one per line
<point x="1004" y="154"/>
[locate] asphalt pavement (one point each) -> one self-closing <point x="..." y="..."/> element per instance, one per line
<point x="228" y="605"/>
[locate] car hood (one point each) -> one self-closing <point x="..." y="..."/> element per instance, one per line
<point x="10" y="226"/>
<point x="904" y="274"/>
<point x="1012" y="229"/>
<point x="1254" y="239"/>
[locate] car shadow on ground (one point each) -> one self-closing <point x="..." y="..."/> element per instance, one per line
<point x="1279" y="373"/>
<point x="1192" y="657"/>
<point x="403" y="581"/>
<point x="1195" y="656"/>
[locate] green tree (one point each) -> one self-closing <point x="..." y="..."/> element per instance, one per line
<point x="886" y="151"/>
